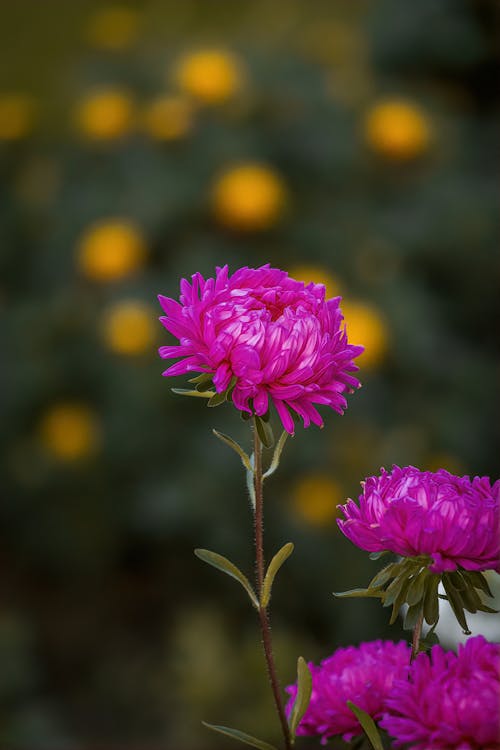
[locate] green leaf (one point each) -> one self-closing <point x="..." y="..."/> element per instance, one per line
<point x="245" y="458"/>
<point x="196" y="394"/>
<point x="411" y="616"/>
<point x="384" y="575"/>
<point x="202" y="381"/>
<point x="399" y="601"/>
<point x="429" y="640"/>
<point x="247" y="739"/>
<point x="222" y="563"/>
<point x="456" y="603"/>
<point x="378" y="555"/>
<point x="392" y="592"/>
<point x="218" y="399"/>
<point x="250" y="485"/>
<point x="358" y="593"/>
<point x="431" y="600"/>
<point x="275" y="564"/>
<point x="276" y="455"/>
<point x="369" y="726"/>
<point x="478" y="580"/>
<point x="416" y="588"/>
<point x="265" y="432"/>
<point x="304" y="689"/>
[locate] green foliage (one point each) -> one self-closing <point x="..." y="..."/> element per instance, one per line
<point x="304" y="689"/>
<point x="226" y="566"/>
<point x="243" y="737"/>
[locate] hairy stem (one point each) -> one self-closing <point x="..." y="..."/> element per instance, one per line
<point x="260" y="570"/>
<point x="417" y="632"/>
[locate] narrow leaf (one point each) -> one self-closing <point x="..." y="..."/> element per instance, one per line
<point x="218" y="399"/>
<point x="358" y="593"/>
<point x="478" y="580"/>
<point x="265" y="432"/>
<point x="245" y="458"/>
<point x="416" y="588"/>
<point x="378" y="555"/>
<point x="384" y="575"/>
<point x="392" y="592"/>
<point x="304" y="689"/>
<point x="251" y="487"/>
<point x="369" y="726"/>
<point x="411" y="616"/>
<point x="222" y="563"/>
<point x="431" y="600"/>
<point x="196" y="394"/>
<point x="247" y="739"/>
<point x="276" y="455"/>
<point x="456" y="603"/>
<point x="399" y="601"/>
<point x="275" y="564"/>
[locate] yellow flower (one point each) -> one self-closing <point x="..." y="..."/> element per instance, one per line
<point x="366" y="327"/>
<point x="397" y="129"/>
<point x="105" y="114"/>
<point x="111" y="250"/>
<point x="319" y="275"/>
<point x="128" y="327"/>
<point x="209" y="76"/>
<point x="113" y="27"/>
<point x="16" y="116"/>
<point x="315" y="499"/>
<point x="69" y="431"/>
<point x="248" y="196"/>
<point x="168" y="118"/>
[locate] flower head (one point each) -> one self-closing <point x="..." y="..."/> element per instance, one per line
<point x="267" y="337"/>
<point x="454" y="520"/>
<point x="363" y="675"/>
<point x="450" y="701"/>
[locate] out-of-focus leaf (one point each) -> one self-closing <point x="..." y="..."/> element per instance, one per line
<point x="431" y="600"/>
<point x="358" y="593"/>
<point x="275" y="564"/>
<point x="456" y="603"/>
<point x="478" y="580"/>
<point x="218" y="399"/>
<point x="378" y="555"/>
<point x="304" y="689"/>
<point x="226" y="566"/>
<point x="196" y="394"/>
<point x="411" y="616"/>
<point x="416" y="588"/>
<point x="276" y="455"/>
<point x="235" y="734"/>
<point x="368" y="725"/>
<point x="265" y="432"/>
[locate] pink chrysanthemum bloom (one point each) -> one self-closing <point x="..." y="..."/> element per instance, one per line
<point x="363" y="675"/>
<point x="274" y="338"/>
<point x="449" y="702"/>
<point x="454" y="520"/>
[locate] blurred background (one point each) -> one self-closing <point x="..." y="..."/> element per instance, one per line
<point x="348" y="143"/>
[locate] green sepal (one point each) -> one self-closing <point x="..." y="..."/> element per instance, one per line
<point x="196" y="394"/>
<point x="235" y="734"/>
<point x="276" y="455"/>
<point x="416" y="589"/>
<point x="429" y="640"/>
<point x="431" y="599"/>
<point x="478" y="580"/>
<point x="394" y="589"/>
<point x="275" y="564"/>
<point x="456" y="602"/>
<point x="378" y="555"/>
<point x="304" y="690"/>
<point x="246" y="415"/>
<point x="201" y="382"/>
<point x="399" y="601"/>
<point x="265" y="432"/>
<point x="368" y="725"/>
<point x="411" y="617"/>
<point x="358" y="593"/>
<point x="218" y="399"/>
<point x="384" y="575"/>
<point x="245" y="458"/>
<point x="226" y="566"/>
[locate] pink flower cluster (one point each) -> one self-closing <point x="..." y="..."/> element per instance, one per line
<point x="454" y="520"/>
<point x="450" y="701"/>
<point x="363" y="675"/>
<point x="274" y="338"/>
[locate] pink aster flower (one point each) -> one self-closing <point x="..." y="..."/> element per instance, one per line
<point x="449" y="701"/>
<point x="274" y="338"/>
<point x="363" y="675"/>
<point x="454" y="520"/>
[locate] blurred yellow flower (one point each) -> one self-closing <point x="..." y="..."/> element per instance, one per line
<point x="398" y="129"/>
<point x="128" y="327"/>
<point x="16" y="116"/>
<point x="319" y="275"/>
<point x="105" y="114"/>
<point x="168" y="118"/>
<point x="366" y="327"/>
<point x="113" y="27"/>
<point x="69" y="431"/>
<point x="209" y="76"/>
<point x="315" y="498"/>
<point x="111" y="250"/>
<point x="249" y="196"/>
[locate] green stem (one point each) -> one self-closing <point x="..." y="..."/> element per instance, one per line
<point x="260" y="571"/>
<point x="417" y="632"/>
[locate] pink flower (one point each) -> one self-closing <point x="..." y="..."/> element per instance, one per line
<point x="274" y="338"/>
<point x="454" y="520"/>
<point x="363" y="675"/>
<point x="449" y="702"/>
